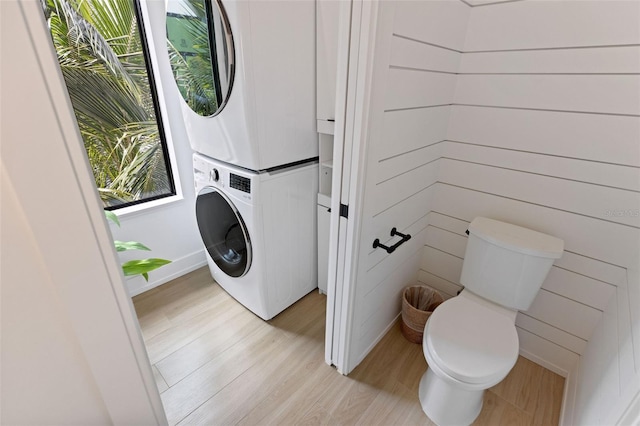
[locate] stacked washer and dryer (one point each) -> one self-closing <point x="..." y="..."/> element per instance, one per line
<point x="251" y="121"/>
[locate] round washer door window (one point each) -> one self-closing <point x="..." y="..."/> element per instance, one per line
<point x="223" y="232"/>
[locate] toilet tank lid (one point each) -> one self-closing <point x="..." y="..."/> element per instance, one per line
<point x="517" y="238"/>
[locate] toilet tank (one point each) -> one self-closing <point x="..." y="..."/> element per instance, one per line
<point x="507" y="264"/>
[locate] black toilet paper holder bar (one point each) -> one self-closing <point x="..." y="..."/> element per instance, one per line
<point x="394" y="232"/>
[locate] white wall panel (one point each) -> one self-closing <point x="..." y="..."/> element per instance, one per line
<point x="586" y="290"/>
<point x="450" y="223"/>
<point x="596" y="60"/>
<point x="401" y="269"/>
<point x="446" y="288"/>
<point x="598" y="385"/>
<point x="407" y="131"/>
<point x="401" y="187"/>
<point x="625" y="307"/>
<point x="393" y="167"/>
<point x="417" y="89"/>
<point x="442" y="264"/>
<point x="485" y="2"/>
<point x="609" y="94"/>
<point x="414" y="54"/>
<point x="571" y="196"/>
<point x="552" y="334"/>
<point x="441" y="22"/>
<point x="384" y="304"/>
<point x="593" y="268"/>
<point x="595" y="238"/>
<point x="446" y="241"/>
<point x="565" y="314"/>
<point x="406" y="212"/>
<point x="546" y="353"/>
<point x="584" y="136"/>
<point x="602" y="174"/>
<point x="559" y="23"/>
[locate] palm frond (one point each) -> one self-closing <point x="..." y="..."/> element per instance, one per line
<point x="85" y="37"/>
<point x="100" y="53"/>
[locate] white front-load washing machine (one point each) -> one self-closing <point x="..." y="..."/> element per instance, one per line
<point x="259" y="231"/>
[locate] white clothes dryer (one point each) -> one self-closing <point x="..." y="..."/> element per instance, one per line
<point x="259" y="231"/>
<point x="262" y="57"/>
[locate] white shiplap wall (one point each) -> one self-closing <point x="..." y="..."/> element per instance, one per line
<point x="410" y="109"/>
<point x="544" y="132"/>
<point x="527" y="112"/>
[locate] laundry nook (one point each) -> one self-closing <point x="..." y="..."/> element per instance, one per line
<point x="250" y="212"/>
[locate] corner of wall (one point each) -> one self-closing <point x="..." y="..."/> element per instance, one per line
<point x="569" y="396"/>
<point x="177" y="268"/>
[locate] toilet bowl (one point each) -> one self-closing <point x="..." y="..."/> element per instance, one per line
<point x="470" y="345"/>
<point x="470" y="341"/>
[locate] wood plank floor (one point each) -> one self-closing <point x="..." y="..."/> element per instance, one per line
<point x="216" y="364"/>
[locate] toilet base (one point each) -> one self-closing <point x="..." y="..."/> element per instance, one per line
<point x="446" y="404"/>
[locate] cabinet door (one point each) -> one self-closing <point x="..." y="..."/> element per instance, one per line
<point x="327" y="16"/>
<point x="324" y="217"/>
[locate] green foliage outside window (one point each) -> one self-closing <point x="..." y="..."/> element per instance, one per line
<point x="102" y="59"/>
<point x="189" y="50"/>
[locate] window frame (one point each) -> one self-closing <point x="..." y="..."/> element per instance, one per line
<point x="162" y="117"/>
<point x="156" y="91"/>
<point x="162" y="124"/>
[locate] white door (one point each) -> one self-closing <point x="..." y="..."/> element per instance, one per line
<point x="349" y="170"/>
<point x="69" y="328"/>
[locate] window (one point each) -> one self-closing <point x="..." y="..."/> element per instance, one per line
<point x="105" y="63"/>
<point x="201" y="53"/>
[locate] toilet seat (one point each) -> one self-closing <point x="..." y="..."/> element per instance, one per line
<point x="472" y="341"/>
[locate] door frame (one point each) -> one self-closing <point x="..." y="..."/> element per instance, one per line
<point x="356" y="41"/>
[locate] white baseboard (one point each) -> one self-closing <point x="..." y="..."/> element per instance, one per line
<point x="364" y="354"/>
<point x="569" y="396"/>
<point x="544" y="363"/>
<point x="175" y="269"/>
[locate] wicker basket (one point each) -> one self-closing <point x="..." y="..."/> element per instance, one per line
<point x="418" y="302"/>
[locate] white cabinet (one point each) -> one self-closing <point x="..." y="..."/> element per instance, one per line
<point x="326" y="164"/>
<point x="324" y="208"/>
<point x="324" y="220"/>
<point x="327" y="17"/>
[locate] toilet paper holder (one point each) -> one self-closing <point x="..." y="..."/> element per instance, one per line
<point x="394" y="232"/>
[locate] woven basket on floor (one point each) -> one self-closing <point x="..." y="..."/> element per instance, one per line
<point x="418" y="302"/>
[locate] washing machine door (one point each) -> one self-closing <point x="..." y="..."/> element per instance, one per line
<point x="223" y="232"/>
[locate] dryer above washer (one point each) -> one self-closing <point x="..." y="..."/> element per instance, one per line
<point x="268" y="118"/>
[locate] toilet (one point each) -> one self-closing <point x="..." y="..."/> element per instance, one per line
<point x="470" y="341"/>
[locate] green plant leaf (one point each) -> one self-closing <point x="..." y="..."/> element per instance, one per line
<point x="112" y="217"/>
<point x="129" y="245"/>
<point x="143" y="266"/>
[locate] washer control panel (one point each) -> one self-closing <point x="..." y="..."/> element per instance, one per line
<point x="240" y="183"/>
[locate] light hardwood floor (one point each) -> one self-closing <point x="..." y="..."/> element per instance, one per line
<point x="216" y="363"/>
